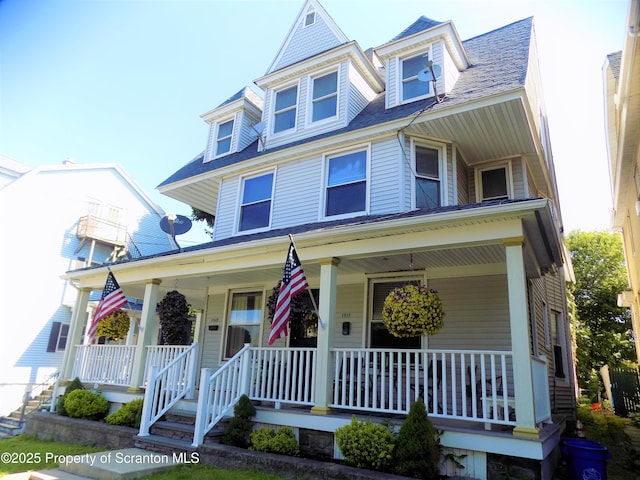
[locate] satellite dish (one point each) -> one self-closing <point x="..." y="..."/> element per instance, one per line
<point x="430" y="72"/>
<point x="175" y="224"/>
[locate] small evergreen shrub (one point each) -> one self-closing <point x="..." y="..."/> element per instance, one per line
<point x="365" y="444"/>
<point x="74" y="384"/>
<point x="238" y="431"/>
<point x="416" y="451"/>
<point x="268" y="440"/>
<point x="128" y="415"/>
<point x="86" y="404"/>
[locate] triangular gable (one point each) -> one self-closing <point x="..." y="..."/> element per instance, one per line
<point x="313" y="32"/>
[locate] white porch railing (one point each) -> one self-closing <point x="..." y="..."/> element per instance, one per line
<point x="220" y="391"/>
<point x="161" y="356"/>
<point x="104" y="364"/>
<point x="469" y="385"/>
<point x="166" y="386"/>
<point x="541" y="399"/>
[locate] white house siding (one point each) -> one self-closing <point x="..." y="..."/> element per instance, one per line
<point x="359" y="94"/>
<point x="298" y="183"/>
<point x="49" y="246"/>
<point x="462" y="179"/>
<point x="306" y="42"/>
<point x="227" y="205"/>
<point x="476" y="313"/>
<point x="386" y="158"/>
<point x="215" y="314"/>
<point x="246" y="134"/>
<point x="349" y="308"/>
<point x="518" y="178"/>
<point x="450" y="72"/>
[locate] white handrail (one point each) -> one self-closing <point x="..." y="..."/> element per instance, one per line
<point x="220" y="391"/>
<point x="166" y="386"/>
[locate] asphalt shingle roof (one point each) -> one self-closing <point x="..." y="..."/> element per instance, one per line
<point x="423" y="23"/>
<point x="615" y="61"/>
<point x="499" y="64"/>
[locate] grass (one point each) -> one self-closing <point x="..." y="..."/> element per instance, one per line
<point x="24" y="453"/>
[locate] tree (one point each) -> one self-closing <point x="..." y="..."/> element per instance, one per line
<point x="603" y="329"/>
<point x="198" y="215"/>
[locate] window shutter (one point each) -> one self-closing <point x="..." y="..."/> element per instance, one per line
<point x="53" y="337"/>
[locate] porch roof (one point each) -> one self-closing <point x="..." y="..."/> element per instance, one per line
<point x="444" y="238"/>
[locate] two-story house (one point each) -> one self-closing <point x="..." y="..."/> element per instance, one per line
<point x="56" y="218"/>
<point x="423" y="160"/>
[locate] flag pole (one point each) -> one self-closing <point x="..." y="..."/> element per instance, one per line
<point x="313" y="300"/>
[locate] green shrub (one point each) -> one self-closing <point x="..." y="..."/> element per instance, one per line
<point x="268" y="440"/>
<point x="128" y="415"/>
<point x="74" y="384"/>
<point x="416" y="452"/>
<point x="239" y="428"/>
<point x="365" y="444"/>
<point x="86" y="404"/>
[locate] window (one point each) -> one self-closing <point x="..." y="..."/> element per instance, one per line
<point x="427" y="177"/>
<point x="255" y="211"/>
<point x="310" y="19"/>
<point x="245" y="315"/>
<point x="58" y="337"/>
<point x="346" y="183"/>
<point x="380" y="337"/>
<point x="411" y="86"/>
<point x="325" y="96"/>
<point x="223" y="138"/>
<point x="557" y="331"/>
<point x="494" y="184"/>
<point x="285" y="109"/>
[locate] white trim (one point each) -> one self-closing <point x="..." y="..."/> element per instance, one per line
<point x="227" y="316"/>
<point x="272" y="109"/>
<point x="442" y="169"/>
<point x="216" y="139"/>
<point x="241" y="183"/>
<point x="506" y="164"/>
<point x="326" y="157"/>
<point x="309" y="122"/>
<point x="428" y="52"/>
<point x="454" y="174"/>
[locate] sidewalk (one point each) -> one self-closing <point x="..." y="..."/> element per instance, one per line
<point x="127" y="464"/>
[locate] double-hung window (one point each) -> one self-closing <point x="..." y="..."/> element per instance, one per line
<point x="255" y="208"/>
<point x="223" y="138"/>
<point x="427" y="182"/>
<point x="346" y="183"/>
<point x="285" y="109"/>
<point x="412" y="87"/>
<point x="325" y="97"/>
<point x="245" y="315"/>
<point x="494" y="183"/>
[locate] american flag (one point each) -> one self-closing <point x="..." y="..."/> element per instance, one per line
<point x="293" y="283"/>
<point x="112" y="299"/>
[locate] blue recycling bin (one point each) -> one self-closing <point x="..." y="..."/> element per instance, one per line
<point x="586" y="459"/>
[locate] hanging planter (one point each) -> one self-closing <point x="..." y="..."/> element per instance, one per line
<point x="412" y="311"/>
<point x="301" y="315"/>
<point x="173" y="311"/>
<point x="114" y="326"/>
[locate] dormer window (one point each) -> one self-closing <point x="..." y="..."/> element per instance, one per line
<point x="285" y="109"/>
<point x="325" y="96"/>
<point x="412" y="87"/>
<point x="223" y="138"/>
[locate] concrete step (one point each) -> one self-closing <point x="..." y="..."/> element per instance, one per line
<point x="126" y="464"/>
<point x="163" y="445"/>
<point x="172" y="429"/>
<point x="10" y="428"/>
<point x="54" y="474"/>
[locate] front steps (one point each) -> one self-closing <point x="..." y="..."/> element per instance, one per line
<point x="13" y="423"/>
<point x="174" y="433"/>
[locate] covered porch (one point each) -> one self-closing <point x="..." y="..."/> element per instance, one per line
<point x="480" y="369"/>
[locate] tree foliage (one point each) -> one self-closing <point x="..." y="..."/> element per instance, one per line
<point x="603" y="329"/>
<point x="198" y="215"/>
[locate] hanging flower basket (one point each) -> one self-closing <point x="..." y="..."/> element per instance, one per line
<point x="412" y="311"/>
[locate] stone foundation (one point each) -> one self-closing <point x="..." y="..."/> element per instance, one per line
<point x="49" y="426"/>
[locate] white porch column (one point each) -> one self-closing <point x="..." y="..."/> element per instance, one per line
<point x="146" y="333"/>
<point x="518" y="315"/>
<point x="327" y="312"/>
<point x="76" y="329"/>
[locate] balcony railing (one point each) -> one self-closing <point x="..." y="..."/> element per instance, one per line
<point x="96" y="228"/>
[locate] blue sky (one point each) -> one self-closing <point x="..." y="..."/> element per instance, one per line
<point x="126" y="81"/>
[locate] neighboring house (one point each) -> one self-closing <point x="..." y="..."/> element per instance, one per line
<point x="382" y="180"/>
<point x="57" y="218"/>
<point x="621" y="73"/>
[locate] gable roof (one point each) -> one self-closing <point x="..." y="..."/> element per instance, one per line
<point x="305" y="42"/>
<point x="423" y="23"/>
<point x="499" y="64"/>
